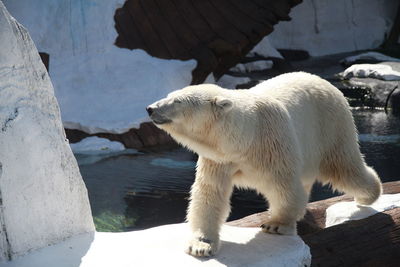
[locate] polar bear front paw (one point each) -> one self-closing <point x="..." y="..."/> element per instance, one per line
<point x="273" y="227"/>
<point x="201" y="247"/>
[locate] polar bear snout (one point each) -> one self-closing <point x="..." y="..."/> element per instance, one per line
<point x="150" y="110"/>
<point x="158" y="113"/>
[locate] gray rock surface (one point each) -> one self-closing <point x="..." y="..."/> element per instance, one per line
<point x="394" y="101"/>
<point x="372" y="90"/>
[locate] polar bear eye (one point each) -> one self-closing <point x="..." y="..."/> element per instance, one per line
<point x="177" y="101"/>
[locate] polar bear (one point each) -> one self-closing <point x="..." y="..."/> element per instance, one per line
<point x="278" y="138"/>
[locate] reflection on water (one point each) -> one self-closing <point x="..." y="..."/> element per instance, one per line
<point x="382" y="151"/>
<point x="137" y="190"/>
<point x="132" y="190"/>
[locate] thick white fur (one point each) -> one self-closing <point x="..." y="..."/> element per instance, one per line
<point x="278" y="138"/>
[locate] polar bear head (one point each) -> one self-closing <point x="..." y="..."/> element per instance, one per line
<point x="194" y="116"/>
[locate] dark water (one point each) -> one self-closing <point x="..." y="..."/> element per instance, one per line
<point x="139" y="190"/>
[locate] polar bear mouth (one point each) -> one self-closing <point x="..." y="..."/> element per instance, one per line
<point x="161" y="120"/>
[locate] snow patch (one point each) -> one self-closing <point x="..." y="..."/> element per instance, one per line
<point x="265" y="49"/>
<point x="253" y="66"/>
<point x="347" y="211"/>
<point x="164" y="246"/>
<point x="377" y="71"/>
<point x="230" y="82"/>
<point x="96" y="145"/>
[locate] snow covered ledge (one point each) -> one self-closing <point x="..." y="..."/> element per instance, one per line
<point x="347" y="211"/>
<point x="164" y="246"/>
<point x="43" y="199"/>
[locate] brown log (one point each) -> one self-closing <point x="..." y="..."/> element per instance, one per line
<point x="315" y="215"/>
<point x="373" y="241"/>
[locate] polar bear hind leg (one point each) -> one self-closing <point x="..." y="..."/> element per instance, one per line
<point x="287" y="204"/>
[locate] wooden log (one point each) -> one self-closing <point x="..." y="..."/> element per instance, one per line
<point x="373" y="241"/>
<point x="315" y="215"/>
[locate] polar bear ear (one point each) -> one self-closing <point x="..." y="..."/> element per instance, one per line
<point x="223" y="103"/>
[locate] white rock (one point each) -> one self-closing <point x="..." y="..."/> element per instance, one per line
<point x="43" y="197"/>
<point x="100" y="87"/>
<point x="238" y="68"/>
<point x="324" y="27"/>
<point x="252" y="66"/>
<point x="96" y="145"/>
<point x="264" y="48"/>
<point x="346" y="211"/>
<point x="230" y="82"/>
<point x="164" y="246"/>
<point x="377" y="71"/>
<point x="258" y="65"/>
<point x="369" y="56"/>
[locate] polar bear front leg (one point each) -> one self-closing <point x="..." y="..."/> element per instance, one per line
<point x="209" y="206"/>
<point x="287" y="202"/>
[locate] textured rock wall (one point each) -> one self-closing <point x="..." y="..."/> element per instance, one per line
<point x="42" y="195"/>
<point x="324" y="27"/>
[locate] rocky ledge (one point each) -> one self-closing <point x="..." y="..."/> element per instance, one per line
<point x="148" y="136"/>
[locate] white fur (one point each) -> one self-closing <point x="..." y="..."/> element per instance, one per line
<point x="278" y="138"/>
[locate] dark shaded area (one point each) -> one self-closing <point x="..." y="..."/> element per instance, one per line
<point x="45" y="59"/>
<point x="155" y="209"/>
<point x="391" y="46"/>
<point x="394" y="101"/>
<point x="141" y="190"/>
<point x="217" y="33"/>
<point x="294" y="54"/>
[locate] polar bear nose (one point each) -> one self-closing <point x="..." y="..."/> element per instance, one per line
<point x="149" y="110"/>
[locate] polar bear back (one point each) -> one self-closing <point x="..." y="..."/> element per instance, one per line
<point x="318" y="111"/>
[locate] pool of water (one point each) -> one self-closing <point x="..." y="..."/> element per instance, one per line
<point x="136" y="190"/>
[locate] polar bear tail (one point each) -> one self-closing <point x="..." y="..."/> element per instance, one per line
<point x="372" y="187"/>
<point x="357" y="180"/>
